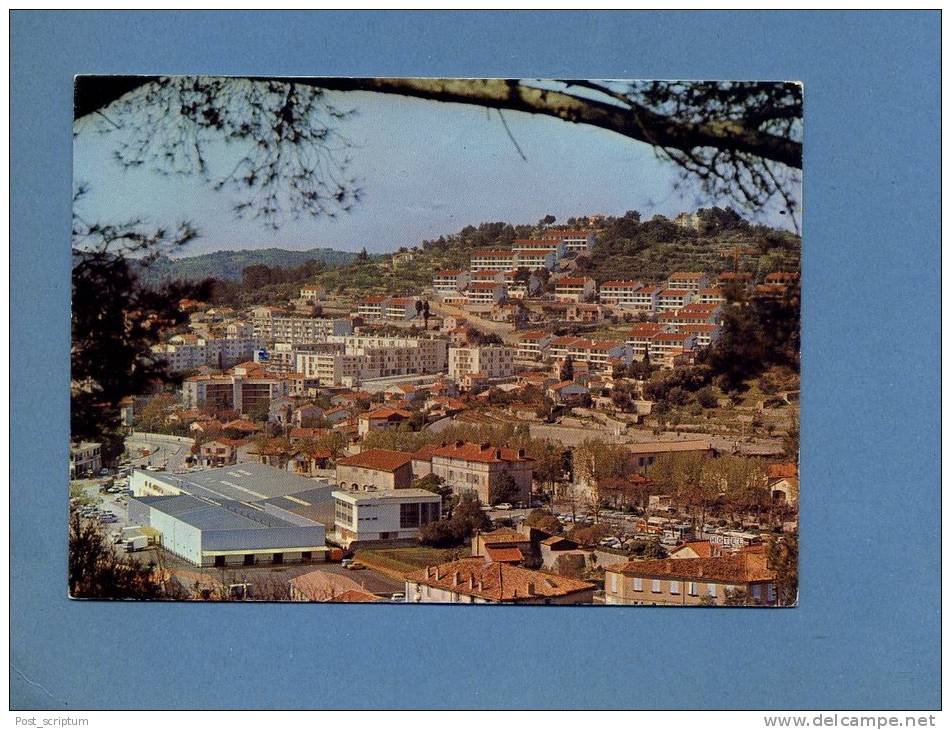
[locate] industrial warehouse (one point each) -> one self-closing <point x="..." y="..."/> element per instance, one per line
<point x="245" y="515"/>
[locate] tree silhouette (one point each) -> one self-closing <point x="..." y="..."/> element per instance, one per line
<point x="739" y="139"/>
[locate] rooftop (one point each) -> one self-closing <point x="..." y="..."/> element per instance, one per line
<point x="497" y="581"/>
<point x="378" y="459"/>
<point x="739" y="568"/>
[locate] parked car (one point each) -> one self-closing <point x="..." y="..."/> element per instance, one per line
<point x="398" y="598"/>
<point x="356" y="566"/>
<point x="503" y="506"/>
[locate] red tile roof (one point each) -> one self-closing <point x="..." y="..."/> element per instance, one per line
<point x="782" y="471"/>
<point x="497" y="581"/>
<point x="387" y="413"/>
<point x="738" y="568"/>
<point x="378" y="459"/>
<point x="503" y="554"/>
<point x="486" y="453"/>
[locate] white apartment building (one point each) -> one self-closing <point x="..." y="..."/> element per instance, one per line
<point x="645" y="299"/>
<point x="598" y="354"/>
<point x="534" y="345"/>
<point x="665" y="346"/>
<point x="641" y="337"/>
<point x="385" y="514"/>
<point x="85" y="459"/>
<point x="312" y="293"/>
<point x="574" y="289"/>
<point x="496" y="259"/>
<point x="273" y="327"/>
<point x="670" y="300"/>
<point x="353" y="359"/>
<point x="692" y="281"/>
<point x="189" y="352"/>
<point x="491" y="361"/>
<point x="450" y="281"/>
<point x="620" y="292"/>
<point x="711" y="295"/>
<point x="242" y="392"/>
<point x="573" y="240"/>
<point x="485" y="293"/>
<point x="488" y="276"/>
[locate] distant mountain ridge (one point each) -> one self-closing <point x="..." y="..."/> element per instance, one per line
<point x="228" y="265"/>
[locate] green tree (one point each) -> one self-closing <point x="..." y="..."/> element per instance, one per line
<point x="97" y="571"/>
<point x="782" y="555"/>
<point x="543" y="520"/>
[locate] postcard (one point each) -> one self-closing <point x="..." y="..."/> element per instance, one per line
<point x="436" y="340"/>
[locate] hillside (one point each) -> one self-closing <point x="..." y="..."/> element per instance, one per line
<point x="626" y="248"/>
<point x="228" y="265"/>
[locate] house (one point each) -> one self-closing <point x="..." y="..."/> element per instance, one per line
<point x="585" y="313"/>
<point x="558" y="553"/>
<point x="783" y="278"/>
<point x="423" y="460"/>
<point x="692" y="581"/>
<point x="473" y="580"/>
<point x="696" y="549"/>
<point x="783" y="483"/>
<point x="388" y="514"/>
<point x="644" y="454"/>
<point x="482" y="469"/>
<point x="375" y="469"/>
<point x="579" y="241"/>
<point x="567" y="392"/>
<point x="735" y="278"/>
<point x="310" y="461"/>
<point x="307" y="415"/>
<point x="335" y="415"/>
<point x="85" y="459"/>
<point x="500" y="539"/>
<point x="712" y="295"/>
<point x="641" y="336"/>
<point x="302" y="433"/>
<point x="381" y="419"/>
<point x="323" y="586"/>
<point x="220" y="452"/>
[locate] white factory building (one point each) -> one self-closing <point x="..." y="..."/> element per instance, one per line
<point x="247" y="515"/>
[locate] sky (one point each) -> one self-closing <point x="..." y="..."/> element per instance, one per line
<point x="426" y="169"/>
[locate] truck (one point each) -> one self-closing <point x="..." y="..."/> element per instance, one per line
<point x="139" y="542"/>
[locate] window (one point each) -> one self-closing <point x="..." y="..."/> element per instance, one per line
<point x="771" y="592"/>
<point x="712" y="590"/>
<point x="409" y="515"/>
<point x="757" y="592"/>
<point x="277" y="558"/>
<point x="638" y="584"/>
<point x="675" y="587"/>
<point x="249" y="559"/>
<point x="655" y="586"/>
<point x="219" y="561"/>
<point x="692" y="588"/>
<point x="306" y="555"/>
<point x="613" y="582"/>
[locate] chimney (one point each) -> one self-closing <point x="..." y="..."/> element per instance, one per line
<point x="498" y="453"/>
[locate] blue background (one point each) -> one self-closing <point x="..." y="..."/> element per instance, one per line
<point x="867" y="631"/>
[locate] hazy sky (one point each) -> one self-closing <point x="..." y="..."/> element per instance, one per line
<point x="426" y="169"/>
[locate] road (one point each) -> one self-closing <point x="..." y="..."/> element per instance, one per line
<point x="162" y="452"/>
<point x="502" y="329"/>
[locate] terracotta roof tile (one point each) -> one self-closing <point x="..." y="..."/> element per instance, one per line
<point x="378" y="459"/>
<point x="498" y="582"/>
